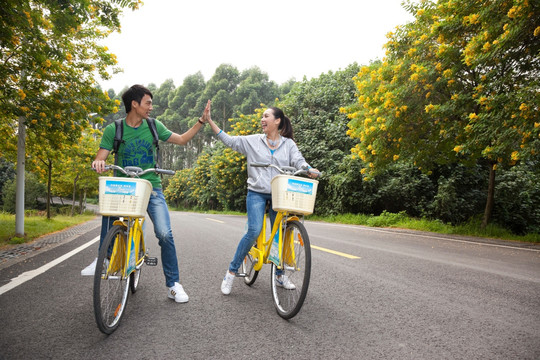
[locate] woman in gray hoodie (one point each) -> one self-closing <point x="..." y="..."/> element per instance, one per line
<point x="275" y="146"/>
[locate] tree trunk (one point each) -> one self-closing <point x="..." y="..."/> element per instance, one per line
<point x="83" y="202"/>
<point x="490" y="196"/>
<point x="74" y="193"/>
<point x="49" y="181"/>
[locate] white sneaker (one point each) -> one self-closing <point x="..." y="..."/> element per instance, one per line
<point x="177" y="293"/>
<point x="284" y="282"/>
<point x="90" y="269"/>
<point x="226" y="284"/>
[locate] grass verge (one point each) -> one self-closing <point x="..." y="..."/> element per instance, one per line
<point x="401" y="220"/>
<point x="35" y="226"/>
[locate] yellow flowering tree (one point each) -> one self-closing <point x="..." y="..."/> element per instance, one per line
<point x="50" y="57"/>
<point x="460" y="84"/>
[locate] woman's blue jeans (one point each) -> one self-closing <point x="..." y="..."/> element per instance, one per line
<point x="255" y="205"/>
<point x="159" y="214"/>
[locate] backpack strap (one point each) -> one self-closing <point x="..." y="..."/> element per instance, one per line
<point x="153" y="129"/>
<point x="118" y="135"/>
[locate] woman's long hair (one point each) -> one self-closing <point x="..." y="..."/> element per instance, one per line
<point x="285" y="127"/>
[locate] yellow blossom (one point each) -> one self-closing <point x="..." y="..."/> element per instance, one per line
<point x="537" y="31"/>
<point x="22" y="94"/>
<point x="473" y="116"/>
<point x="515" y="156"/>
<point x="396" y="157"/>
<point x="429" y="107"/>
<point x="458" y="148"/>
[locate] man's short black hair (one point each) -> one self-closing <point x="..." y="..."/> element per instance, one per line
<point x="136" y="92"/>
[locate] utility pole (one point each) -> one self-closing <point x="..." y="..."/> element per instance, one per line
<point x="19" y="195"/>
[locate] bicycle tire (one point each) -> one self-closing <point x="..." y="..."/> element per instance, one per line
<point x="110" y="291"/>
<point x="247" y="268"/>
<point x="297" y="267"/>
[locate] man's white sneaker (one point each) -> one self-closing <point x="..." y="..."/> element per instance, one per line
<point x="284" y="282"/>
<point x="90" y="269"/>
<point x="177" y="293"/>
<point x="226" y="284"/>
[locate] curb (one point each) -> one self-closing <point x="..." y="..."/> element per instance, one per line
<point x="15" y="253"/>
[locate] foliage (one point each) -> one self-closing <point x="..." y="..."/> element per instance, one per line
<point x="49" y="60"/>
<point x="458" y="85"/>
<point x="7" y="172"/>
<point x="33" y="191"/>
<point x="50" y="57"/>
<point x="517" y="204"/>
<point x="218" y="180"/>
<point x="320" y="132"/>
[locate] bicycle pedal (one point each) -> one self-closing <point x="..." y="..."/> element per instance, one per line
<point x="151" y="261"/>
<point x="240" y="275"/>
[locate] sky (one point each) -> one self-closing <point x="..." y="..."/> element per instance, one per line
<point x="172" y="39"/>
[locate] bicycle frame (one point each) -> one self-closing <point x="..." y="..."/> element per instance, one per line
<point x="264" y="246"/>
<point x="125" y="257"/>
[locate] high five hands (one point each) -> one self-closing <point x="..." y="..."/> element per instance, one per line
<point x="206" y="113"/>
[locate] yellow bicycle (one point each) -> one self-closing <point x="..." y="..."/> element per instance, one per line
<point x="123" y="252"/>
<point x="288" y="247"/>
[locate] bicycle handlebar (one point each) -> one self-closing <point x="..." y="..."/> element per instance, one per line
<point x="135" y="171"/>
<point x="288" y="170"/>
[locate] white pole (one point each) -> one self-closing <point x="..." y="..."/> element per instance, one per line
<point x="19" y="195"/>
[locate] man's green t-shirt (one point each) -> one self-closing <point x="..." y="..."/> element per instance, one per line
<point x="137" y="148"/>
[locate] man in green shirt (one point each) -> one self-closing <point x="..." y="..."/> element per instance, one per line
<point x="137" y="149"/>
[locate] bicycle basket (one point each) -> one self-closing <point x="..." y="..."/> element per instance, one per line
<point x="120" y="196"/>
<point x="294" y="194"/>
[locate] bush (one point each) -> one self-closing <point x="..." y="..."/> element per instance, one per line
<point x="33" y="190"/>
<point x="517" y="200"/>
<point x="461" y="194"/>
<point x="7" y="173"/>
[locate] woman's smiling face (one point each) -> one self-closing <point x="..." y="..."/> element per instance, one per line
<point x="269" y="123"/>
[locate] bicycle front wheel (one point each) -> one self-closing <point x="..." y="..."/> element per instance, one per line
<point x="136" y="274"/>
<point x="111" y="289"/>
<point x="290" y="284"/>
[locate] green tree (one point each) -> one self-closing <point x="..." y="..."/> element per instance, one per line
<point x="460" y="84"/>
<point x="320" y="132"/>
<point x="49" y="59"/>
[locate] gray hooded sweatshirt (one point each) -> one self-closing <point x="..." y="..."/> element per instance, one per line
<point x="255" y="148"/>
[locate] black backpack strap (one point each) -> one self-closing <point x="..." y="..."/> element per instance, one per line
<point x="118" y="135"/>
<point x="153" y="129"/>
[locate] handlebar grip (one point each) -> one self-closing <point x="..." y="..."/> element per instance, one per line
<point x="258" y="164"/>
<point x="165" y="172"/>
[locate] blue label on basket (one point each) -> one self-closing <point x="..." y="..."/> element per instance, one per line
<point x="116" y="187"/>
<point x="300" y="186"/>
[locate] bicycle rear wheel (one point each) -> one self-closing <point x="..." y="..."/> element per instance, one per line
<point x="290" y="284"/>
<point x="111" y="290"/>
<point x="247" y="268"/>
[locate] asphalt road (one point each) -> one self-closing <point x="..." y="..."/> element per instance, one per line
<point x="374" y="294"/>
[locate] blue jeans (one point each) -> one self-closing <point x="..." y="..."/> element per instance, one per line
<point x="255" y="205"/>
<point x="159" y="214"/>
